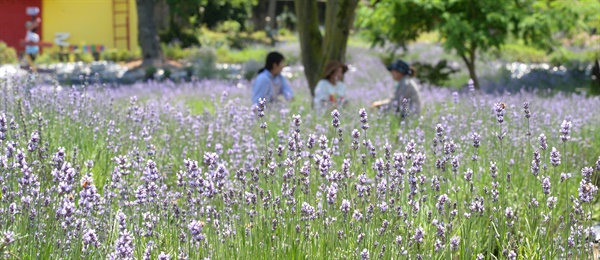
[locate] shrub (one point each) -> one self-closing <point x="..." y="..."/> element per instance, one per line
<point x="229" y="26"/>
<point x="7" y="54"/>
<point x="121" y="55"/>
<point x="172" y="51"/>
<point x="203" y="62"/>
<point x="184" y="39"/>
<point x="212" y="38"/>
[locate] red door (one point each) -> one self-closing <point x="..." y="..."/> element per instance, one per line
<point x="12" y="21"/>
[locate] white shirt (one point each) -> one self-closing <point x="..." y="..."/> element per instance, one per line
<point x="327" y="94"/>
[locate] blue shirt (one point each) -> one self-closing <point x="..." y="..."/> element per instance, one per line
<point x="269" y="87"/>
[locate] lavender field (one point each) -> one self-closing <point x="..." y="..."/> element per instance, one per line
<point x="189" y="171"/>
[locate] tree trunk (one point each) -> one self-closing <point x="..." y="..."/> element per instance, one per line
<point x="595" y="84"/>
<point x="310" y="41"/>
<point x="339" y="18"/>
<point x="470" y="62"/>
<point x="272" y="13"/>
<point x="147" y="34"/>
<point x="316" y="51"/>
<point x="259" y="12"/>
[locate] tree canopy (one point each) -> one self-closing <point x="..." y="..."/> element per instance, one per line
<point x="468" y="27"/>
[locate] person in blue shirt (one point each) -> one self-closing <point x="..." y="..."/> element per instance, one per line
<point x="269" y="83"/>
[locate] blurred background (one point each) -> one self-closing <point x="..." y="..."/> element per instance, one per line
<point x="502" y="45"/>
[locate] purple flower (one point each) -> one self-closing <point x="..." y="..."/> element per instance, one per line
<point x="307" y="211"/>
<point x="546" y="185"/>
<point x="363" y="116"/>
<point x="476" y="140"/>
<point x="297" y="119"/>
<point x="9" y="238"/>
<point x="335" y="122"/>
<point x="493" y="169"/>
<point x="535" y="163"/>
<point x="587" y="191"/>
<point x="565" y="130"/>
<point x="554" y="157"/>
<point x="345" y="207"/>
<point x="526" y="109"/>
<point x="512" y="255"/>
<point x="471" y="84"/>
<point x="477" y="205"/>
<point x="468" y="175"/>
<point x="437" y="245"/>
<point x="499" y="108"/>
<point x="364" y="255"/>
<point x="90" y="238"/>
<point x="564" y="176"/>
<point x="534" y="202"/>
<point x="543" y="142"/>
<point x="124" y="246"/>
<point x="441" y="202"/>
<point x="587" y="172"/>
<point x="551" y="202"/>
<point x="439" y="129"/>
<point x="455" y="164"/>
<point x="195" y="228"/>
<point x="355" y="134"/>
<point x="454" y="243"/>
<point x="419" y="235"/>
<point x="357" y="215"/>
<point x="164" y="256"/>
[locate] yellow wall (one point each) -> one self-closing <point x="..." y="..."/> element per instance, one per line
<point x="88" y="22"/>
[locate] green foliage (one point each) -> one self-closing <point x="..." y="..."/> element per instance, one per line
<point x="214" y="12"/>
<point x="183" y="38"/>
<point x="212" y="38"/>
<point x="520" y="53"/>
<point x="121" y="55"/>
<point x="287" y="19"/>
<point x="539" y="21"/>
<point x="8" y="55"/>
<point x="395" y="22"/>
<point x="203" y="62"/>
<point x="173" y="51"/>
<point x="194" y="13"/>
<point x="149" y="72"/>
<point x="227" y="55"/>
<point x="468" y="27"/>
<point x="45" y="58"/>
<point x="435" y="74"/>
<point x="229" y="26"/>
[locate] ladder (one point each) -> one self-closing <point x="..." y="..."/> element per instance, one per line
<point x="120" y="10"/>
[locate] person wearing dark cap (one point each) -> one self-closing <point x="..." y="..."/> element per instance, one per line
<point x="330" y="91"/>
<point x="405" y="88"/>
